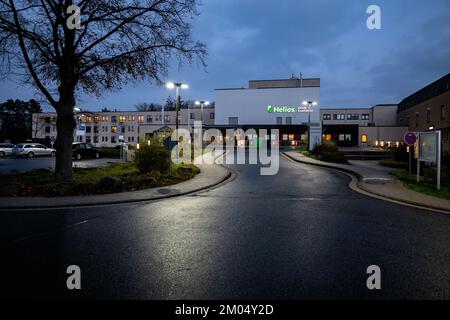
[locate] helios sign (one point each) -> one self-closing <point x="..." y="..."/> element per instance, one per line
<point x="287" y="109"/>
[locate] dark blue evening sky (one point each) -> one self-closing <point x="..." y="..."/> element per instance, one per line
<point x="268" y="39"/>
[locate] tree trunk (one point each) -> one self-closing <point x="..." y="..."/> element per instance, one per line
<point x="65" y="125"/>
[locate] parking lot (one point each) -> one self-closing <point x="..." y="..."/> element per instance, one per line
<point x="9" y="164"/>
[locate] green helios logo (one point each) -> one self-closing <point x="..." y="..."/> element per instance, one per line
<point x="269" y="109"/>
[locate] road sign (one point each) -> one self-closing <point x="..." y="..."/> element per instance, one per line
<point x="410" y="138"/>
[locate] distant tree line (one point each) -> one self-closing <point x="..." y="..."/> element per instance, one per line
<point x="169" y="105"/>
<point x="16" y="119"/>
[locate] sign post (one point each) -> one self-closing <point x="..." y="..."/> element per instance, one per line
<point x="410" y="139"/>
<point x="429" y="144"/>
<point x="438" y="160"/>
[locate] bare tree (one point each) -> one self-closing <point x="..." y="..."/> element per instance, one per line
<point x="119" y="41"/>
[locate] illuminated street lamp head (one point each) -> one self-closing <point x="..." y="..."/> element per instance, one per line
<point x="200" y="102"/>
<point x="76" y="109"/>
<point x="172" y="85"/>
<point x="309" y="102"/>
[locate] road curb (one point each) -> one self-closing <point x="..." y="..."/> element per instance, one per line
<point x="217" y="182"/>
<point x="358" y="186"/>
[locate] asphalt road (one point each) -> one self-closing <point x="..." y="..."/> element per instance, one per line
<point x="9" y="164"/>
<point x="301" y="234"/>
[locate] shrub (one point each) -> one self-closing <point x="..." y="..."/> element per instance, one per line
<point x="152" y="157"/>
<point x="328" y="152"/>
<point x="325" y="147"/>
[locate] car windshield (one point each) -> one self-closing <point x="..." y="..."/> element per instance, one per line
<point x="20" y="146"/>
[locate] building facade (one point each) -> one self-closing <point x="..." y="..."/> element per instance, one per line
<point x="429" y="109"/>
<point x="108" y="129"/>
<point x="273" y="104"/>
<point x="364" y="127"/>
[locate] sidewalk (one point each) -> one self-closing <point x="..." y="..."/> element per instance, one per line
<point x="210" y="175"/>
<point x="376" y="180"/>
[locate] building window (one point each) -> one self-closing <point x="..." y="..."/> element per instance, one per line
<point x="167" y="118"/>
<point x="141" y="119"/>
<point x="47" y="129"/>
<point x="365" y="116"/>
<point x="114" y="129"/>
<point x="122" y="119"/>
<point x="114" y="119"/>
<point x="88" y="139"/>
<point x="327" y="116"/>
<point x="364" y="138"/>
<point x="338" y="116"/>
<point x="130" y="118"/>
<point x="211" y="115"/>
<point x="417" y="119"/>
<point x="88" y="129"/>
<point x="279" y="120"/>
<point x="149" y="119"/>
<point x="233" y="120"/>
<point x="428" y="115"/>
<point x="105" y="118"/>
<point x="88" y="119"/>
<point x="96" y="119"/>
<point x="192" y="115"/>
<point x="345" y="137"/>
<point x="442" y="112"/>
<point x="288" y="120"/>
<point x="158" y="117"/>
<point x="352" y="116"/>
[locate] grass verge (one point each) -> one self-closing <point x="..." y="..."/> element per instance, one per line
<point x="391" y="163"/>
<point x="88" y="181"/>
<point x="425" y="187"/>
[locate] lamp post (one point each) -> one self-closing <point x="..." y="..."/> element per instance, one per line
<point x="309" y="103"/>
<point x="201" y="103"/>
<point x="177" y="86"/>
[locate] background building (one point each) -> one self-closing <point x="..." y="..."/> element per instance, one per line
<point x="107" y="129"/>
<point x="429" y="109"/>
<point x="364" y="127"/>
<point x="273" y="104"/>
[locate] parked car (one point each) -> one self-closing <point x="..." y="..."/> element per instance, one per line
<point x="6" y="149"/>
<point x="81" y="150"/>
<point x="31" y="150"/>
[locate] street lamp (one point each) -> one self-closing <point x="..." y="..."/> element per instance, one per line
<point x="201" y="103"/>
<point x="176" y="86"/>
<point x="309" y="103"/>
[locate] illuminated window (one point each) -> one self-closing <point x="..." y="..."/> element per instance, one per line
<point x="96" y="119"/>
<point x="121" y="119"/>
<point x="89" y="119"/>
<point x="328" y="137"/>
<point x="130" y="118"/>
<point x="364" y="138"/>
<point x="105" y="118"/>
<point x="113" y="129"/>
<point x="291" y="137"/>
<point x="141" y="119"/>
